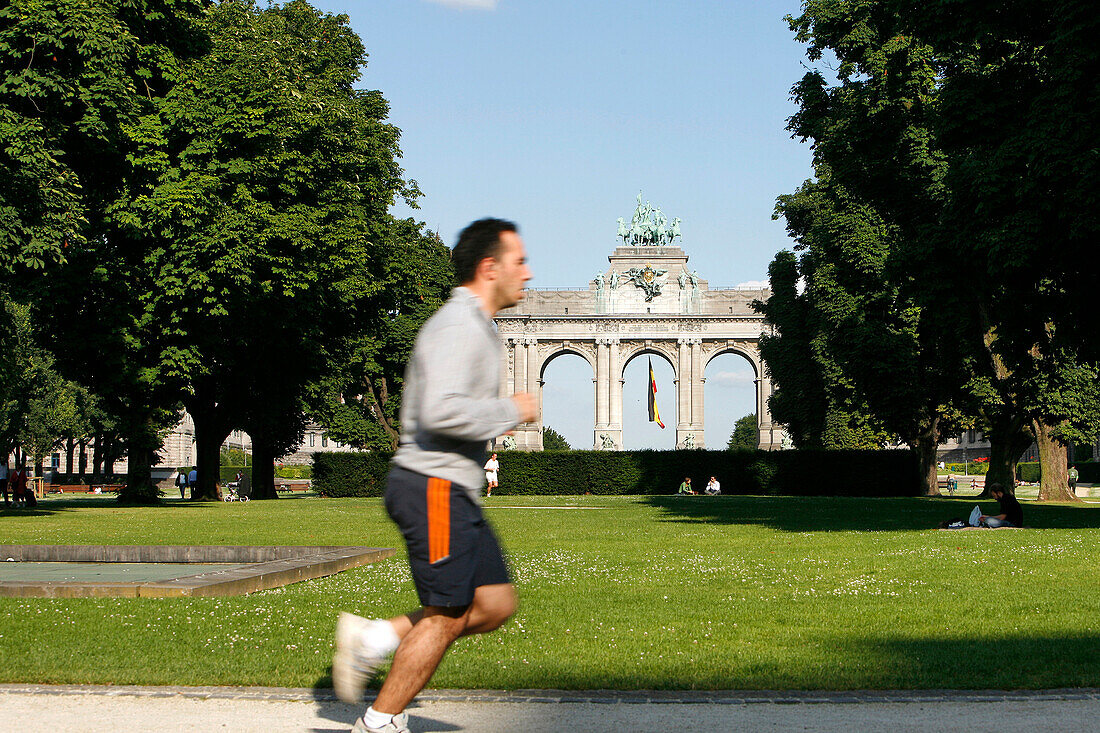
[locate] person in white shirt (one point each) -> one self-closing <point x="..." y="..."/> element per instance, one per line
<point x="491" y="469"/>
<point x="713" y="487"/>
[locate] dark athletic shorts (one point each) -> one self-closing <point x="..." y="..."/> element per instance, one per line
<point x="452" y="549"/>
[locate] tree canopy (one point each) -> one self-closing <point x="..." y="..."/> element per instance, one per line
<point x="925" y="304"/>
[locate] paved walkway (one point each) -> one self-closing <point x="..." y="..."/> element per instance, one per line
<point x="95" y="708"/>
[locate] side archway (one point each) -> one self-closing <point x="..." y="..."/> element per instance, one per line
<point x="565" y="373"/>
<point x="761" y="384"/>
<point x="732" y="386"/>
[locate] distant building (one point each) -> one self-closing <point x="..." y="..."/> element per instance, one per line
<point x="179" y="449"/>
<point x="971" y="444"/>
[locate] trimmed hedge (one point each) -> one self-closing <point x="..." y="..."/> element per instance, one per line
<point x="786" y="473"/>
<point x="350" y="474"/>
<point x="1087" y="473"/>
<point x="973" y="468"/>
<point x="229" y="473"/>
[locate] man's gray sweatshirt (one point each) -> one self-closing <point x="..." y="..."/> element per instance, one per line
<point x="450" y="406"/>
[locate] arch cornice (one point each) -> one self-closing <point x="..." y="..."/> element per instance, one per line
<point x="747" y="348"/>
<point x="662" y="347"/>
<point x="553" y="348"/>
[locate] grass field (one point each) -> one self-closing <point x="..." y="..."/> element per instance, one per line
<point x="615" y="592"/>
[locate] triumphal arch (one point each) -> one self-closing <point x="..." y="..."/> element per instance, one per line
<point x="648" y="301"/>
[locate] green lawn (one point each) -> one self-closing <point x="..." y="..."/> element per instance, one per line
<point x="621" y="592"/>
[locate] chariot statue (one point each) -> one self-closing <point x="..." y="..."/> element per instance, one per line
<point x="648" y="227"/>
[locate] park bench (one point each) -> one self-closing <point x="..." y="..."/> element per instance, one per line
<point x="947" y="483"/>
<point x="84" y="488"/>
<point x="978" y="483"/>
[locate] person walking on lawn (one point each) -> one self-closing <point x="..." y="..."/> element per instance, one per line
<point x="450" y="410"/>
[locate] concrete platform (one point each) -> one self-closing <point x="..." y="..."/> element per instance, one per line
<point x="249" y="568"/>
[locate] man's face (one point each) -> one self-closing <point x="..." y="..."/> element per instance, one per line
<point x="511" y="269"/>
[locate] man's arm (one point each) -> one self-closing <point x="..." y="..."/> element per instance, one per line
<point x="448" y="364"/>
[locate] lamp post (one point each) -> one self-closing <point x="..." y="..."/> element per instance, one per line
<point x="965" y="472"/>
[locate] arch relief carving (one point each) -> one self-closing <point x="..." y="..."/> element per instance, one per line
<point x="665" y="348"/>
<point x="743" y="348"/>
<point x="550" y="350"/>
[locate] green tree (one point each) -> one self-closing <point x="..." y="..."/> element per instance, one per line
<point x="75" y="75"/>
<point x="71" y="74"/>
<point x="358" y="404"/>
<point x="745" y="435"/>
<point x="879" y="181"/>
<point x="553" y="440"/>
<point x="1018" y="124"/>
<point x="38" y="407"/>
<point x="235" y="457"/>
<point x="271" y="176"/>
<point x="811" y="396"/>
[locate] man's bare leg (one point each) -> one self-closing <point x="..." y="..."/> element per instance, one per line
<point x="426" y="635"/>
<point x="492" y="606"/>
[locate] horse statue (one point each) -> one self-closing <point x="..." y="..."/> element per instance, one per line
<point x="674" y="230"/>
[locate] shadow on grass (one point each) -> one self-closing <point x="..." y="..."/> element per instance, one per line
<point x="839" y="662"/>
<point x="46" y="507"/>
<point x="847" y="514"/>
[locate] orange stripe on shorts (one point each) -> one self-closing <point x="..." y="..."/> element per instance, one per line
<point x="439" y="519"/>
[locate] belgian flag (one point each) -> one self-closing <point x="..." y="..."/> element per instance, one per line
<point x="654" y="415"/>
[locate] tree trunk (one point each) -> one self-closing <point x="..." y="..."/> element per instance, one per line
<point x="1008" y="438"/>
<point x="210" y="432"/>
<point x="142" y="444"/>
<point x="263" y="468"/>
<point x="82" y="458"/>
<point x="925" y="448"/>
<point x="70" y="449"/>
<point x="97" y="455"/>
<point x="109" y="447"/>
<point x="1053" y="465"/>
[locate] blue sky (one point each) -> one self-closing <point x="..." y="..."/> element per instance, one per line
<point x="556" y="113"/>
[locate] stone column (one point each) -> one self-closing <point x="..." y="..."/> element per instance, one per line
<point x="519" y="370"/>
<point x="532" y="431"/>
<point x="615" y="401"/>
<point x="697" y="381"/>
<point x="769" y="439"/>
<point x="507" y="372"/>
<point x="602" y="381"/>
<point x="683" y="390"/>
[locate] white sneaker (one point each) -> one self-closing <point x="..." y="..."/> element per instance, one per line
<point x="355" y="661"/>
<point x="398" y="724"/>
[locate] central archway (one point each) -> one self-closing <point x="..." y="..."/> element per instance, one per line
<point x="637" y="431"/>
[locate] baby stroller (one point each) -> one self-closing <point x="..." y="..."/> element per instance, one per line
<point x="235" y="491"/>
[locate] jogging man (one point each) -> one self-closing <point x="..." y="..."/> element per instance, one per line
<point x="450" y="410"/>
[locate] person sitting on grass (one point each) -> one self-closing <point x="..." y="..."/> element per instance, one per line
<point x="1012" y="514"/>
<point x="685" y="488"/>
<point x="713" y="487"/>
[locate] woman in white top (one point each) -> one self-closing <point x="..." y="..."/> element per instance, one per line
<point x="491" y="468"/>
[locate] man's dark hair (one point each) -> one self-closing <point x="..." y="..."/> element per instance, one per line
<point x="997" y="487"/>
<point x="476" y="242"/>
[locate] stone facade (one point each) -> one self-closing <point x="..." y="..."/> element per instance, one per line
<point x="646" y="302"/>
